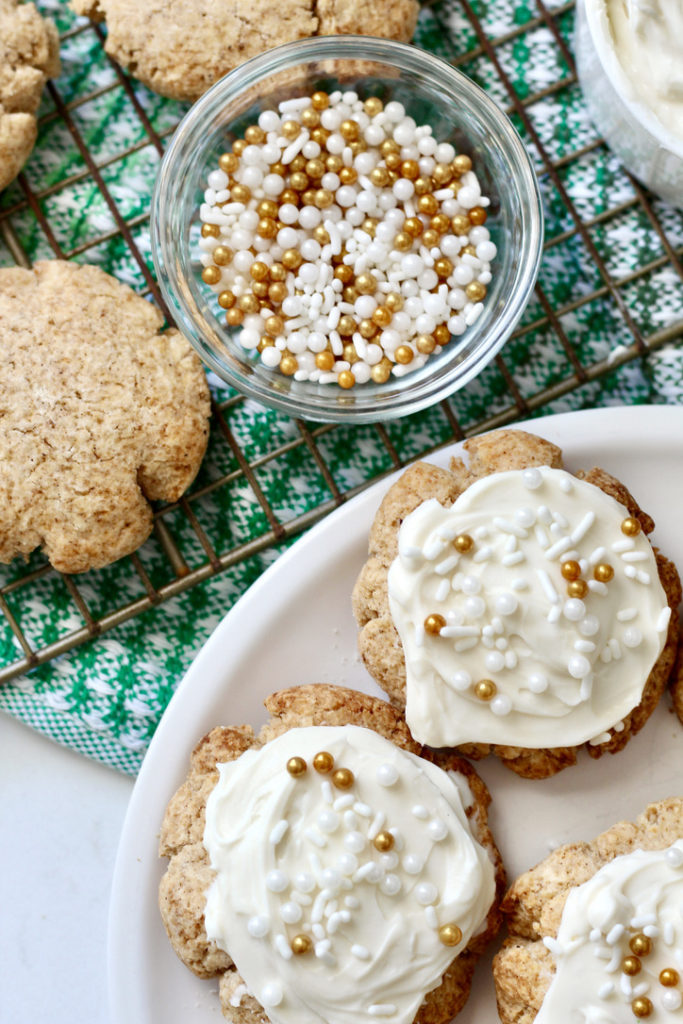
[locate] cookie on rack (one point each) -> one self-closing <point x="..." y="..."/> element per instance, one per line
<point x="595" y="929"/>
<point x="29" y="55"/>
<point x="102" y="411"/>
<point x="312" y="863"/>
<point x="180" y="48"/>
<point x="511" y="607"/>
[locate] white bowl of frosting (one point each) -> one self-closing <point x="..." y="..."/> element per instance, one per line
<point x="630" y="65"/>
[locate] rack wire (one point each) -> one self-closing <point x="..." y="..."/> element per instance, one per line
<point x="190" y="543"/>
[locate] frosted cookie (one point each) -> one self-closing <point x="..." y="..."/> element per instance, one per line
<point x="29" y="55"/>
<point x="514" y="608"/>
<point x="596" y="930"/>
<point x="325" y="871"/>
<point x="101" y="412"/>
<point x="180" y="48"/>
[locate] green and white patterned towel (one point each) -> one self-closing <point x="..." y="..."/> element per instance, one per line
<point x="105" y="697"/>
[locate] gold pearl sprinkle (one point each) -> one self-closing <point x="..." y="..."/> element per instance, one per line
<point x="211" y="275"/>
<point x="383" y="841"/>
<point x="234" y="317"/>
<point x="450" y="934"/>
<point x="393" y="301"/>
<point x="226" y="299"/>
<point x="296" y="766"/>
<point x="373" y="106"/>
<point x="346" y="379"/>
<point x="290" y="129"/>
<point x="366" y="283"/>
<point x="342" y="778"/>
<point x="382" y="316"/>
<point x="289" y="365"/>
<point x="462" y="164"/>
<point x="577" y="588"/>
<point x="630" y="526"/>
<point x="478" y="215"/>
<point x="403" y="241"/>
<point x="461" y="224"/>
<point x="570" y="570"/>
<point x="425" y="344"/>
<point x="441" y="334"/>
<point x="642" y="1007"/>
<point x="228" y="162"/>
<point x="640" y="944"/>
<point x="434" y="623"/>
<point x="381" y="372"/>
<point x="301" y="944"/>
<point x="603" y="572"/>
<point x="323" y="762"/>
<point x="475" y="291"/>
<point x="404" y="354"/>
<point x="349" y="130"/>
<point x="210" y="231"/>
<point x="463" y="543"/>
<point x="320" y="101"/>
<point x="324" y="360"/>
<point x="485" y="689"/>
<point x="631" y="965"/>
<point x="669" y="977"/>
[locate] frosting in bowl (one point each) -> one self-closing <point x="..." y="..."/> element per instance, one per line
<point x="342" y="896"/>
<point x="530" y="612"/>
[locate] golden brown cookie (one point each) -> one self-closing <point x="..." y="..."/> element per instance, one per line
<point x="379" y="641"/>
<point x="29" y="55"/>
<point x="534" y="906"/>
<point x="184" y="887"/>
<point x="102" y="412"/>
<point x="180" y="48"/>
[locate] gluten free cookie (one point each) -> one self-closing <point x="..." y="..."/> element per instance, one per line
<point x="102" y="411"/>
<point x="511" y="607"/>
<point x="329" y="869"/>
<point x="596" y="932"/>
<point x="29" y="55"/>
<point x="180" y="48"/>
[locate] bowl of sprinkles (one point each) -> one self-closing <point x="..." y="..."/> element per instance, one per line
<point x="346" y="228"/>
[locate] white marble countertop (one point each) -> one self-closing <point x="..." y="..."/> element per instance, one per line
<point x="60" y="816"/>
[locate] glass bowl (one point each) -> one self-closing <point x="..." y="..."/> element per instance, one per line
<point x="432" y="92"/>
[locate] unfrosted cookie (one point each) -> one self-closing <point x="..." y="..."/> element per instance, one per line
<point x="328" y="868"/>
<point x="532" y="611"/>
<point x="180" y="48"/>
<point x="101" y="411"/>
<point x="595" y="929"/>
<point x="29" y="55"/>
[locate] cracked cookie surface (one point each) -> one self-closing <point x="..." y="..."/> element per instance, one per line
<point x="100" y="412"/>
<point x="180" y="48"/>
<point x="29" y="55"/>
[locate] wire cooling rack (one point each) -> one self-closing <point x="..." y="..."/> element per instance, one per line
<point x="606" y="314"/>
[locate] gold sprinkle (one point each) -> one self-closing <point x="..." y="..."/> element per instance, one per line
<point x="485" y="689"/>
<point x="630" y="526"/>
<point x="463" y="543"/>
<point x="342" y="778"/>
<point x="323" y="762"/>
<point x="296" y="766"/>
<point x="603" y="572"/>
<point x="383" y="841"/>
<point x="434" y="623"/>
<point x="301" y="944"/>
<point x="450" y="934"/>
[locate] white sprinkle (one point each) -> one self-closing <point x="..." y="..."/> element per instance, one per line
<point x="640" y="920"/>
<point x="508" y="527"/>
<point x="598" y="588"/>
<point x="547" y="585"/>
<point x="327" y="791"/>
<point x="315" y="837"/>
<point x="513" y="559"/>
<point x="643" y="577"/>
<point x="651" y="931"/>
<point x="596" y="555"/>
<point x="635" y="556"/>
<point x="300" y="897"/>
<point x="626" y="614"/>
<point x="460" y="631"/>
<point x="626" y="986"/>
<point x="443" y="590"/>
<point x="342" y="802"/>
<point x="483" y="554"/>
<point x="369" y="871"/>
<point x="625" y="544"/>
<point x="606" y="990"/>
<point x="279" y="831"/>
<point x="352" y="902"/>
<point x="558" y="547"/>
<point x="336" y="919"/>
<point x="350" y="820"/>
<point x="283" y="946"/>
<point x="382" y="1010"/>
<point x="433" y="548"/>
<point x="614" y="934"/>
<point x="615" y="647"/>
<point x="552" y="945"/>
<point x="520" y="584"/>
<point x="363" y="810"/>
<point x="566" y="485"/>
<point x="318" y="931"/>
<point x="668" y="933"/>
<point x="376" y="825"/>
<point x="295" y="147"/>
<point x="541" y="536"/>
<point x="431" y="917"/>
<point x="663" y="620"/>
<point x="360" y="952"/>
<point x="615" y="961"/>
<point x="584" y="646"/>
<point x="580" y="531"/>
<point x="545" y="515"/>
<point x="444" y="567"/>
<point x="554" y="613"/>
<point x="420" y="811"/>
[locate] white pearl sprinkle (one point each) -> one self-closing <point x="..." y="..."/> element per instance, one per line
<point x="574" y="609"/>
<point x="578" y="666"/>
<point x="532" y="479"/>
<point x="412" y="864"/>
<point x="537" y="682"/>
<point x="354" y="841"/>
<point x="277" y="881"/>
<point x="387" y="775"/>
<point x="291" y="913"/>
<point x="425" y="893"/>
<point x="501" y="704"/>
<point x="272" y="994"/>
<point x="258" y="926"/>
<point x="437" y="829"/>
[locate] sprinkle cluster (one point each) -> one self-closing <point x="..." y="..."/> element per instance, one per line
<point x="345" y="241"/>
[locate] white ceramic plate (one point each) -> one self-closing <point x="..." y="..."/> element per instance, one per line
<point x="295" y="626"/>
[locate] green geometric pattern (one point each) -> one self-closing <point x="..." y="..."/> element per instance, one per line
<point x="105" y="697"/>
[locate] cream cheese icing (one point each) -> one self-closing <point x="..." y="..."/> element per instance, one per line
<point x="496" y="647"/>
<point x="297" y="862"/>
<point x="647" y="36"/>
<point x="632" y="903"/>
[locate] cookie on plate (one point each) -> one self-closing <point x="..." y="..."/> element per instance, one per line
<point x="328" y="869"/>
<point x="101" y="412"/>
<point x="180" y="48"/>
<point x="29" y="55"/>
<point x="513" y="608"/>
<point x="596" y="931"/>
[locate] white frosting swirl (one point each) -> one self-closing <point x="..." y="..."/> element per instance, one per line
<point x="639" y="893"/>
<point x="647" y="36"/>
<point x="565" y="669"/>
<point x="294" y="856"/>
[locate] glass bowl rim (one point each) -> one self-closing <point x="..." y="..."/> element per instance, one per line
<point x="403" y="398"/>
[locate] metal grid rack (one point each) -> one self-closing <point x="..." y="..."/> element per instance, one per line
<point x="567" y="224"/>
